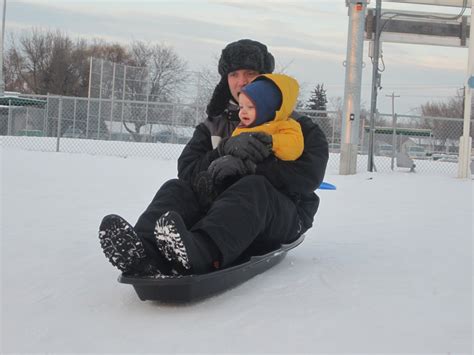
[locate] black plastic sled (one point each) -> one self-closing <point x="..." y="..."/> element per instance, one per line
<point x="191" y="288"/>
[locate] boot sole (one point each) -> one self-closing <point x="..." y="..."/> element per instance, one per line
<point x="119" y="243"/>
<point x="169" y="241"/>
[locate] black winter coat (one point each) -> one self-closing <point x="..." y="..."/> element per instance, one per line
<point x="297" y="179"/>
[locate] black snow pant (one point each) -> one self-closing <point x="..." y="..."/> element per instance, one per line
<point x="249" y="215"/>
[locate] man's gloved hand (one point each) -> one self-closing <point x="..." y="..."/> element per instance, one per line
<point x="206" y="191"/>
<point x="229" y="166"/>
<point x="255" y="146"/>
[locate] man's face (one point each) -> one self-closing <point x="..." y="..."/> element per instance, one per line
<point x="238" y="79"/>
<point x="247" y="112"/>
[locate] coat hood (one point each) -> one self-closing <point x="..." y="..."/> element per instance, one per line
<point x="289" y="88"/>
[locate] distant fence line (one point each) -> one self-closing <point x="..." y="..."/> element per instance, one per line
<point x="159" y="130"/>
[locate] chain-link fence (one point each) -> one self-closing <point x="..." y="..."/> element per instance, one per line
<point x="109" y="127"/>
<point x="160" y="130"/>
<point x="423" y="144"/>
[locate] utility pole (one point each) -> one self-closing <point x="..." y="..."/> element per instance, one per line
<point x="352" y="87"/>
<point x="465" y="141"/>
<point x="394" y="130"/>
<point x="375" y="85"/>
<point x="2" y="37"/>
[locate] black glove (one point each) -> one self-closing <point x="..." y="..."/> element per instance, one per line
<point x="204" y="188"/>
<point x="229" y="166"/>
<point x="255" y="146"/>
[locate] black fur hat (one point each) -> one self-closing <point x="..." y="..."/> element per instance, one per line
<point x="242" y="54"/>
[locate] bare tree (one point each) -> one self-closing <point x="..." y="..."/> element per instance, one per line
<point x="112" y="52"/>
<point x="166" y="71"/>
<point x="207" y="80"/>
<point x="444" y="129"/>
<point x="11" y="62"/>
<point x="43" y="61"/>
<point x="161" y="81"/>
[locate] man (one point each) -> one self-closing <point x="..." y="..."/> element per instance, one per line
<point x="271" y="203"/>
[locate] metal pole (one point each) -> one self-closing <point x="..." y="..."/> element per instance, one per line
<point x="100" y="97"/>
<point x="123" y="98"/>
<point x="60" y="113"/>
<point x="112" y="102"/>
<point x="146" y="109"/>
<point x="352" y="89"/>
<point x="333" y="127"/>
<point x="150" y="133"/>
<point x="45" y="118"/>
<point x="27" y="123"/>
<point x="89" y="98"/>
<point x="2" y="79"/>
<point x="394" y="140"/>
<point x="10" y="123"/>
<point x="465" y="142"/>
<point x="375" y="85"/>
<point x="394" y="130"/>
<point x="74" y="118"/>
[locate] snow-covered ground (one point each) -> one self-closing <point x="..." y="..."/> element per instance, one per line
<point x="387" y="268"/>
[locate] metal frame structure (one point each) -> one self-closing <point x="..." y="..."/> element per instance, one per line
<point x="420" y="28"/>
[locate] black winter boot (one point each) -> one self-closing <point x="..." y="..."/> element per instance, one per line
<point x="187" y="251"/>
<point x="123" y="248"/>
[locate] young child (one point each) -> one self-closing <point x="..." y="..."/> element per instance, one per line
<point x="265" y="107"/>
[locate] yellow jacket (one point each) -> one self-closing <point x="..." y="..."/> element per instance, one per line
<point x="288" y="140"/>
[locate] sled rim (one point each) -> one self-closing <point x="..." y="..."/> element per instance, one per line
<point x="183" y="279"/>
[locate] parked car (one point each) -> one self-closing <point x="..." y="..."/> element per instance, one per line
<point x="416" y="152"/>
<point x="30" y="132"/>
<point x="167" y="136"/>
<point x="73" y="133"/>
<point x="334" y="147"/>
<point x="385" y="150"/>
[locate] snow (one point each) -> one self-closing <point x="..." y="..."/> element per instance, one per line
<point x="387" y="268"/>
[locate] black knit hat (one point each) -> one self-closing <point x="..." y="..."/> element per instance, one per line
<point x="242" y="54"/>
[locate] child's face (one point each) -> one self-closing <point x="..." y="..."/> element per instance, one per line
<point x="247" y="113"/>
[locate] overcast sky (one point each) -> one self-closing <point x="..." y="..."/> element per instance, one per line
<point x="307" y="38"/>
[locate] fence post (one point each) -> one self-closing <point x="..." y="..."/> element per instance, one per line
<point x="123" y="98"/>
<point x="87" y="116"/>
<point x="394" y="140"/>
<point x="112" y="102"/>
<point x="60" y="112"/>
<point x="333" y="128"/>
<point x="100" y="97"/>
<point x="146" y="117"/>
<point x="173" y="123"/>
<point x="10" y="123"/>
<point x="89" y="97"/>
<point x="74" y="118"/>
<point x="26" y="121"/>
<point x="45" y="117"/>
<point x="197" y="115"/>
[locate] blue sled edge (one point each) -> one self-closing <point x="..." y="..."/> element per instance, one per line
<point x="326" y="186"/>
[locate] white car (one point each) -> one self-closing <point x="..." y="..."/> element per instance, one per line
<point x="416" y="152"/>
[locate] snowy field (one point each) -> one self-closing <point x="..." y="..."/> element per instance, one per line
<point x="386" y="269"/>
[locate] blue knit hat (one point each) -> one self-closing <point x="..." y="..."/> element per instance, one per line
<point x="266" y="97"/>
